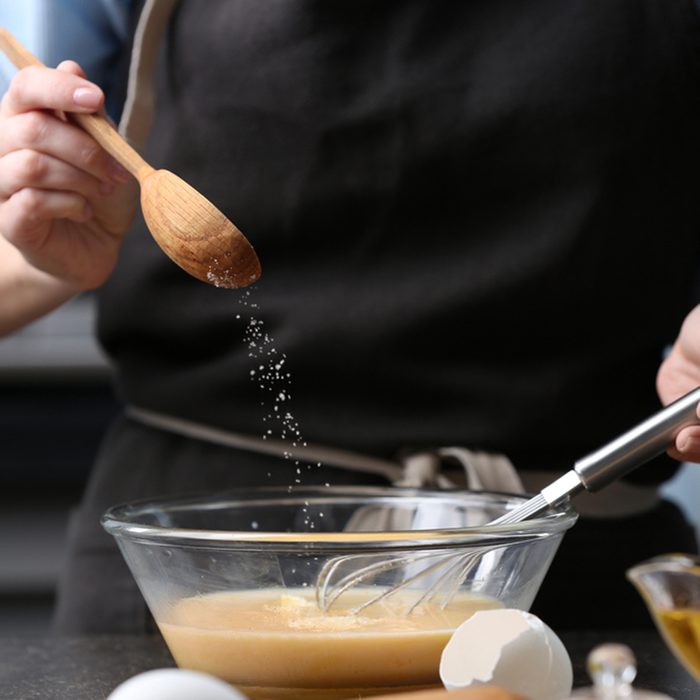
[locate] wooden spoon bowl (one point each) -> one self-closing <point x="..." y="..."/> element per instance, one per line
<point x="195" y="234"/>
<point x="191" y="231"/>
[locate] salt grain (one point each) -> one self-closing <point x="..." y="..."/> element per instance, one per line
<point x="273" y="381"/>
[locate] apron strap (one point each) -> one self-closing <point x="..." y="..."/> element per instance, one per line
<point x="139" y="106"/>
<point x="477" y="471"/>
<point x="481" y="470"/>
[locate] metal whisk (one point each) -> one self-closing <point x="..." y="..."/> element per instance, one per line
<point x="449" y="570"/>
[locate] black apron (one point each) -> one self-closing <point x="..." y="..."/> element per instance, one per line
<point x="477" y="224"/>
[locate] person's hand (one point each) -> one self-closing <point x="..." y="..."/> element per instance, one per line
<point x="65" y="204"/>
<point x="680" y="373"/>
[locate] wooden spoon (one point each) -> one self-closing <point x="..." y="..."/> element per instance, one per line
<point x="191" y="231"/>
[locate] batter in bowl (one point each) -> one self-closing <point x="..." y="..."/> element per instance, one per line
<point x="277" y="643"/>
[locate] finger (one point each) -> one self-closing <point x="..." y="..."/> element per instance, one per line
<point x="686" y="447"/>
<point x="48" y="88"/>
<point x="25" y="215"/>
<point x="72" y="67"/>
<point x="75" y="69"/>
<point x="33" y="169"/>
<point x="43" y="132"/>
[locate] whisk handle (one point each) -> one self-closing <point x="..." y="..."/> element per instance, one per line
<point x="638" y="445"/>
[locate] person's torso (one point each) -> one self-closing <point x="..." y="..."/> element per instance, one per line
<point x="477" y="222"/>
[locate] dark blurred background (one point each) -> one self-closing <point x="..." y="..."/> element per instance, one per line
<point x="55" y="402"/>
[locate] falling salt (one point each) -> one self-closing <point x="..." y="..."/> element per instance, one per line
<point x="226" y="277"/>
<point x="275" y="383"/>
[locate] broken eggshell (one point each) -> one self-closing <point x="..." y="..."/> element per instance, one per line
<point x="511" y="649"/>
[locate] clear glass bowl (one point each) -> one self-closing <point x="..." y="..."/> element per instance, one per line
<point x="232" y="581"/>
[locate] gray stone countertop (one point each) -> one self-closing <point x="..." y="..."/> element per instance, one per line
<point x="90" y="667"/>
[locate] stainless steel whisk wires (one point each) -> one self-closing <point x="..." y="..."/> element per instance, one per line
<point x="592" y="473"/>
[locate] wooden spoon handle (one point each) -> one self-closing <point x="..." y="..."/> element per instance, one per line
<point x="94" y="124"/>
<point x="110" y="139"/>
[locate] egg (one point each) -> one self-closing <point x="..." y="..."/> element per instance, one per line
<point x="174" y="684"/>
<point x="511" y="649"/>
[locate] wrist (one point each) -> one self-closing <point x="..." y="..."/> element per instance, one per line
<point x="27" y="293"/>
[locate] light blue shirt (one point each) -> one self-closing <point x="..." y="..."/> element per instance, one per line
<point x="91" y="32"/>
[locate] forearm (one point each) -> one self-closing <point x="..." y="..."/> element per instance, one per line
<point x="26" y="293"/>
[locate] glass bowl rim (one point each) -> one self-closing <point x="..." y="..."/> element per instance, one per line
<point x="122" y="520"/>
